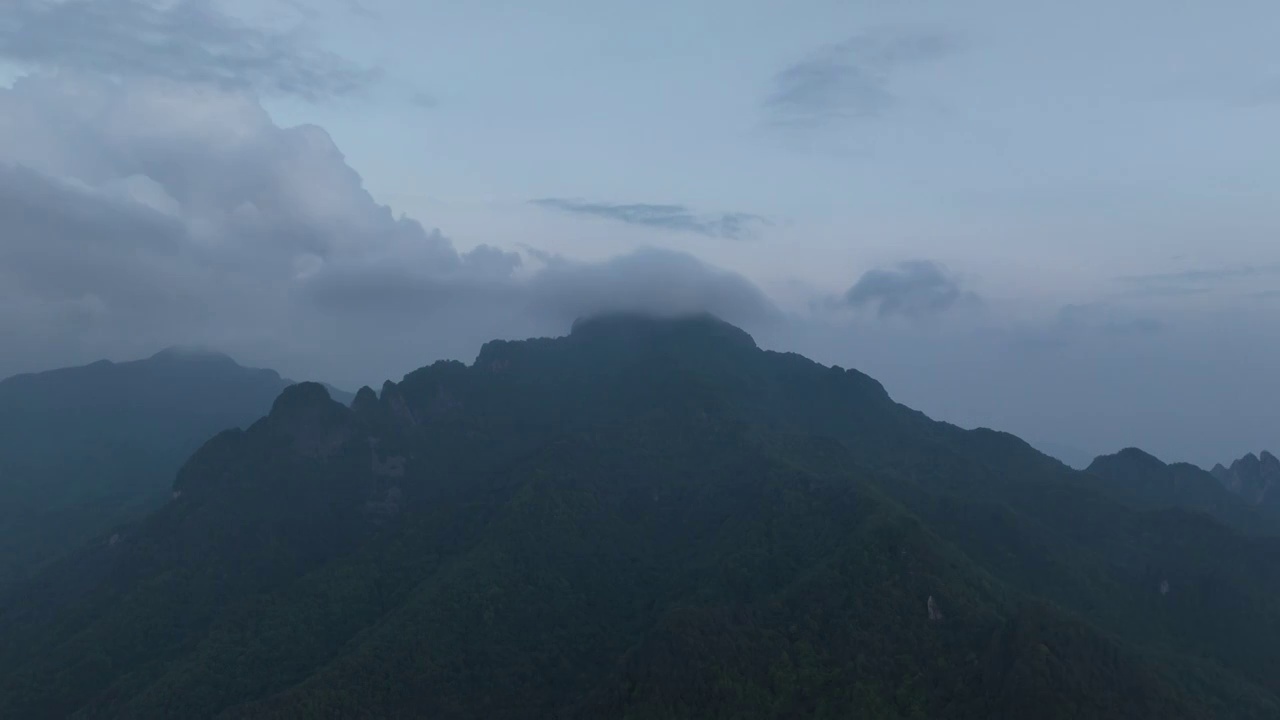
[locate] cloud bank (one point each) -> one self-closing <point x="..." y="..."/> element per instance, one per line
<point x="140" y="213"/>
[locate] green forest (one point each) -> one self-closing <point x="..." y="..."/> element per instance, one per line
<point x="651" y="519"/>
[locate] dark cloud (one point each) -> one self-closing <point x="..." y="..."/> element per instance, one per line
<point x="915" y="289"/>
<point x="679" y="218"/>
<point x="853" y="78"/>
<point x="187" y="41"/>
<point x="142" y="213"/>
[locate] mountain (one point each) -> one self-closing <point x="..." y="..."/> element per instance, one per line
<point x="1069" y="455"/>
<point x="85" y="448"/>
<point x="643" y="519"/>
<point x="1143" y="481"/>
<point x="1255" y="478"/>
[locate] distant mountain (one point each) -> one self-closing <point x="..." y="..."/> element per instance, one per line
<point x="85" y="448"/>
<point x="1070" y="456"/>
<point x="1255" y="478"/>
<point x="647" y="519"/>
<point x="1143" y="481"/>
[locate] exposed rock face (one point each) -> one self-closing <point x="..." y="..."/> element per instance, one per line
<point x="395" y="402"/>
<point x="317" y="424"/>
<point x="365" y="402"/>
<point x="1256" y="478"/>
<point x="934" y="613"/>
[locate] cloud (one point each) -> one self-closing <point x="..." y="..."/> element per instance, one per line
<point x="914" y="289"/>
<point x="1105" y="319"/>
<point x="677" y="218"/>
<point x="185" y="41"/>
<point x="1091" y="324"/>
<point x="1200" y="281"/>
<point x="142" y="213"/>
<point x="424" y="100"/>
<point x="361" y="9"/>
<point x="852" y="79"/>
<point x="661" y="282"/>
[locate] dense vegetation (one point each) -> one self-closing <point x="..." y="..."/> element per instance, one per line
<point x="648" y="519"/>
<point x="1143" y="481"/>
<point x="83" y="449"/>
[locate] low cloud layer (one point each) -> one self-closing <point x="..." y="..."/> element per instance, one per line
<point x="852" y="79"/>
<point x="675" y="218"/>
<point x="143" y="213"/>
<point x="185" y="41"/>
<point x="914" y="289"/>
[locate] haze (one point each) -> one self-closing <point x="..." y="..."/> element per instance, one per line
<point x="1054" y="220"/>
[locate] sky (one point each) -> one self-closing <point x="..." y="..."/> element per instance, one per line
<point x="1053" y="219"/>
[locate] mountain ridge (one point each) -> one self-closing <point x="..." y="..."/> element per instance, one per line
<point x="650" y="520"/>
<point x="84" y="448"/>
<point x="1256" y="478"/>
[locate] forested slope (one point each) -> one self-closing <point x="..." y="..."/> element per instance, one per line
<point x="645" y="519"/>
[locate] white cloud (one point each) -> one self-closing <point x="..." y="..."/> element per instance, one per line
<point x="143" y="212"/>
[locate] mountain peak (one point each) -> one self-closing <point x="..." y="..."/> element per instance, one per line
<point x="638" y="326"/>
<point x="365" y="400"/>
<point x="301" y="397"/>
<point x="192" y="353"/>
<point x="317" y="423"/>
<point x="1128" y="459"/>
<point x="1140" y="455"/>
<point x="1253" y="477"/>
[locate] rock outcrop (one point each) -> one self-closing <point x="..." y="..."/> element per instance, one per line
<point x="1253" y="477"/>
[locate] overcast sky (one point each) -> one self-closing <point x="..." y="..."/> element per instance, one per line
<point x="1057" y="219"/>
